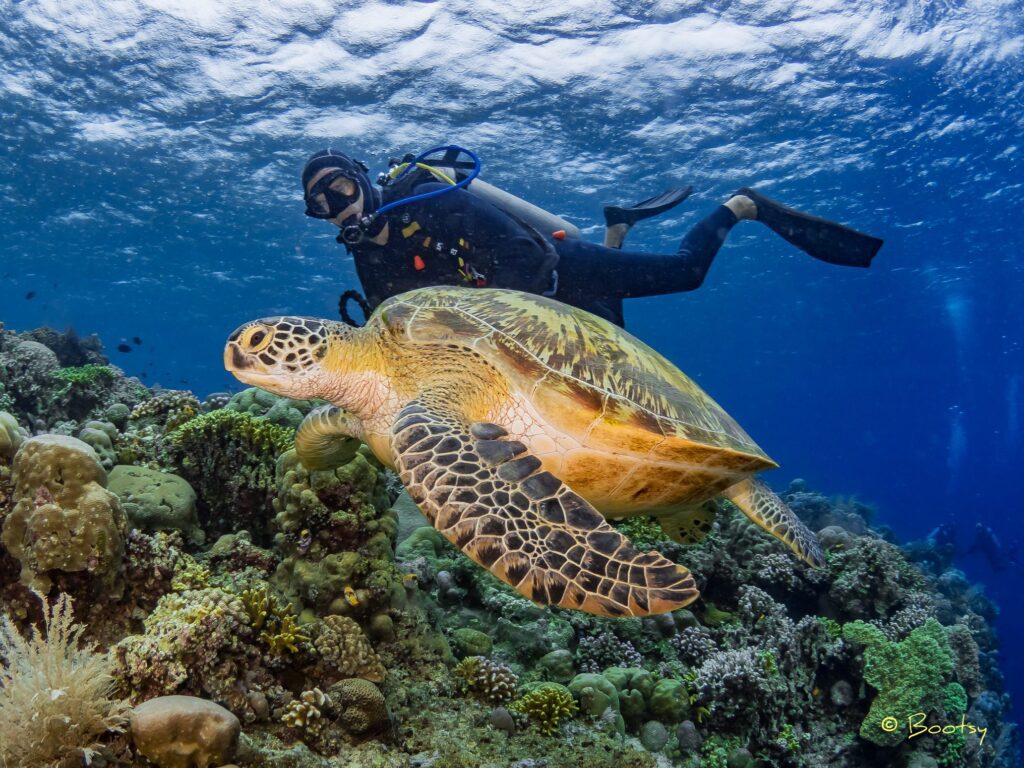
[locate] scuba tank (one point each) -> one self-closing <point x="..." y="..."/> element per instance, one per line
<point x="451" y="171"/>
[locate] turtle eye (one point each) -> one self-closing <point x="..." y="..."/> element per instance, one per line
<point x="258" y="338"/>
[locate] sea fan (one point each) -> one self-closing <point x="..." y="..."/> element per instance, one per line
<point x="56" y="695"/>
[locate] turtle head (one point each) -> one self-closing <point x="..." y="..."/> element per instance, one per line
<point x="285" y="355"/>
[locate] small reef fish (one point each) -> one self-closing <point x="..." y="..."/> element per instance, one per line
<point x="123" y="348"/>
<point x="30" y="295"/>
<point x="136" y="340"/>
<point x="351" y="597"/>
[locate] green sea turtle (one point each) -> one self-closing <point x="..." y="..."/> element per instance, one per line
<point x="518" y="425"/>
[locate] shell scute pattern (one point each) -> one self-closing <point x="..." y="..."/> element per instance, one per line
<point x="602" y="368"/>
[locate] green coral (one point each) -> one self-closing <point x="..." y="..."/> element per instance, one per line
<point x="274" y="621"/>
<point x="716" y="617"/>
<point x="955" y="700"/>
<point x="228" y="458"/>
<point x="548" y="706"/>
<point x="716" y="750"/>
<point x="643" y="531"/>
<point x="83" y="376"/>
<point x="832" y="627"/>
<point x="787" y="738"/>
<point x="909" y="675"/>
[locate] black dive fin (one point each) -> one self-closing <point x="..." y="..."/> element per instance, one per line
<point x="823" y="239"/>
<point x="645" y="209"/>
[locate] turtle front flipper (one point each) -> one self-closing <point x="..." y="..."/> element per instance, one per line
<point x="758" y="502"/>
<point x="487" y="495"/>
<point x="326" y="438"/>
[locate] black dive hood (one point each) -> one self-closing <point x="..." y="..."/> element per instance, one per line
<point x="356" y="171"/>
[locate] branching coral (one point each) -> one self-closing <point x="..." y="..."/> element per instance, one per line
<point x="306" y="712"/>
<point x="345" y="651"/>
<point x="597" y="653"/>
<point x="486" y="679"/>
<point x="547" y="706"/>
<point x="274" y="620"/>
<point x="228" y="458"/>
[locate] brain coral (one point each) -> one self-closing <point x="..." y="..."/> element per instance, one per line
<point x="64" y="519"/>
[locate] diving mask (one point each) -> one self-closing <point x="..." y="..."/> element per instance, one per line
<point x="323" y="202"/>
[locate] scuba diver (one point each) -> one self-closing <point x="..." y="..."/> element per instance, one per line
<point x="438" y="224"/>
<point x="987" y="544"/>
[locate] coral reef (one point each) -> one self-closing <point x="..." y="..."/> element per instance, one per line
<point x="547" y="706"/>
<point x="309" y="618"/>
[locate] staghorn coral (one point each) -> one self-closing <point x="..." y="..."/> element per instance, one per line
<point x="345" y="651"/>
<point x="487" y="680"/>
<point x="548" y="706"/>
<point x="64" y="520"/>
<point x="56" y="695"/>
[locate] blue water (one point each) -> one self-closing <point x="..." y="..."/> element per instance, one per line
<point x="149" y="187"/>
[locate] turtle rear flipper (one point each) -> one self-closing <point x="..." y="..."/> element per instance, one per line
<point x="689" y="524"/>
<point x="485" y="493"/>
<point x="758" y="502"/>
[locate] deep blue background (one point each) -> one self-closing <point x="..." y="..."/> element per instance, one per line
<point x="149" y="186"/>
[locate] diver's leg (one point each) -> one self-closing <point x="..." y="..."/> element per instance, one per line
<point x="586" y="270"/>
<point x="823" y="239"/>
<point x="619" y="220"/>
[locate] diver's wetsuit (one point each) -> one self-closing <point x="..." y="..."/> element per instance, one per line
<point x="460" y="239"/>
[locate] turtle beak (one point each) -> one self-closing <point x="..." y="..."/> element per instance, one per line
<point x="234" y="359"/>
